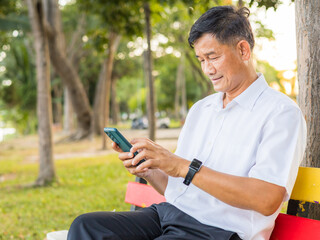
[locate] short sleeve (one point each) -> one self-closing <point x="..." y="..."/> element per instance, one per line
<point x="281" y="148"/>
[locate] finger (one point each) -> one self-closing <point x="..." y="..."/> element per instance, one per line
<point x="116" y="147"/>
<point x="145" y="165"/>
<point x="139" y="171"/>
<point x="125" y="156"/>
<point x="136" y="140"/>
<point x="144" y="154"/>
<point x="127" y="163"/>
<point x="141" y="144"/>
<point x="131" y="170"/>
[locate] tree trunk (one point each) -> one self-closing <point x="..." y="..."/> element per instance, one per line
<point x="68" y="123"/>
<point x="104" y="81"/>
<point x="114" y="40"/>
<point x="75" y="51"/>
<point x="56" y="104"/>
<point x="114" y="102"/>
<point x="97" y="119"/>
<point x="308" y="49"/>
<point x="180" y="97"/>
<point x="178" y="93"/>
<point x="182" y="75"/>
<point x="151" y="106"/>
<point x="183" y="90"/>
<point x="44" y="107"/>
<point x="66" y="71"/>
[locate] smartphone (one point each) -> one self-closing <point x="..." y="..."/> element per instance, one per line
<point x="120" y="140"/>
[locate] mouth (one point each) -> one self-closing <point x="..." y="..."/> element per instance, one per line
<point x="215" y="79"/>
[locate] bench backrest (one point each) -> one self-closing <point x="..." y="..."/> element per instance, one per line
<point x="307" y="185"/>
<point x="287" y="227"/>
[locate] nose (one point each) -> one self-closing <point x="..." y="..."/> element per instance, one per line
<point x="208" y="68"/>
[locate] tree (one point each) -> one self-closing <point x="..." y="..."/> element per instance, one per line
<point x="151" y="104"/>
<point x="44" y="107"/>
<point x="65" y="69"/>
<point x="106" y="89"/>
<point x="308" y="49"/>
<point x="117" y="18"/>
<point x="102" y="93"/>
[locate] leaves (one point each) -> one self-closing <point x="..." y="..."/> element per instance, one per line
<point x="264" y="32"/>
<point x="267" y="3"/>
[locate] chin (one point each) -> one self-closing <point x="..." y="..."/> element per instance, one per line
<point x="218" y="89"/>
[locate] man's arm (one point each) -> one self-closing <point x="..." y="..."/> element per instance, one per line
<point x="158" y="180"/>
<point x="241" y="192"/>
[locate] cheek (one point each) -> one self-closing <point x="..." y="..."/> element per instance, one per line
<point x="222" y="65"/>
<point x="202" y="66"/>
<point x="231" y="68"/>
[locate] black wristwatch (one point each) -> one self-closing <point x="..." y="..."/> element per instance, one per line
<point x="194" y="167"/>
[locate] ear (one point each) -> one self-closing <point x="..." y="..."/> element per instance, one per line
<point x="244" y="50"/>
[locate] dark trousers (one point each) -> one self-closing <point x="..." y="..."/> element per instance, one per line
<point x="159" y="221"/>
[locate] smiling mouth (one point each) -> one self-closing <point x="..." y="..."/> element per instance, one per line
<point x="216" y="79"/>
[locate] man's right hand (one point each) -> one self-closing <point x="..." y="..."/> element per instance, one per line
<point x="156" y="177"/>
<point x="126" y="158"/>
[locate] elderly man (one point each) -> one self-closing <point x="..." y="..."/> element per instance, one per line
<point x="237" y="157"/>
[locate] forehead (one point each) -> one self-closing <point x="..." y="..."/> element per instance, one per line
<point x="208" y="44"/>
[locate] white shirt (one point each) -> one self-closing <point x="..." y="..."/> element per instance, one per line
<point x="260" y="134"/>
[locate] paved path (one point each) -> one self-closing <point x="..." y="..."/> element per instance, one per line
<point x="88" y="148"/>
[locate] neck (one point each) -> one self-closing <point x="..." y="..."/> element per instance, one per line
<point x="247" y="80"/>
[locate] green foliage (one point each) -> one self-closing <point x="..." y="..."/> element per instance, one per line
<point x="165" y="82"/>
<point x="267" y="3"/>
<point x="263" y="32"/>
<point x="137" y="101"/>
<point x="123" y="17"/>
<point x="13" y="16"/>
<point x="14" y="22"/>
<point x="19" y="97"/>
<point x="24" y="121"/>
<point x="8" y="6"/>
<point x="270" y="73"/>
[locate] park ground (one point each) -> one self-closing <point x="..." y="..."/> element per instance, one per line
<point x="89" y="179"/>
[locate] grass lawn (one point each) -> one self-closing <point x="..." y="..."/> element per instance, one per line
<point x="85" y="185"/>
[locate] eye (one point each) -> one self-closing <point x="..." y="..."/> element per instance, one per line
<point x="213" y="58"/>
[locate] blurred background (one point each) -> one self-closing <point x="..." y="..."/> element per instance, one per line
<point x="68" y="68"/>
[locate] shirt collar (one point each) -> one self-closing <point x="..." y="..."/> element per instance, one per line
<point x="215" y="101"/>
<point x="248" y="97"/>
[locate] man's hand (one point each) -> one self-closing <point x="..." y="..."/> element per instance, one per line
<point x="156" y="157"/>
<point x="126" y="158"/>
<point x="156" y="177"/>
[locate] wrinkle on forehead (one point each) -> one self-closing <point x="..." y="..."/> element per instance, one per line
<point x="208" y="45"/>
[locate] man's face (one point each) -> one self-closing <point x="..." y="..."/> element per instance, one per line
<point x="221" y="63"/>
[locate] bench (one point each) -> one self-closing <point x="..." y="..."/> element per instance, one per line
<point x="287" y="227"/>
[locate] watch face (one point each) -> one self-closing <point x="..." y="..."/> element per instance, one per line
<point x="196" y="164"/>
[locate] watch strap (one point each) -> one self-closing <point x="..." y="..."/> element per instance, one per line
<point x="194" y="167"/>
